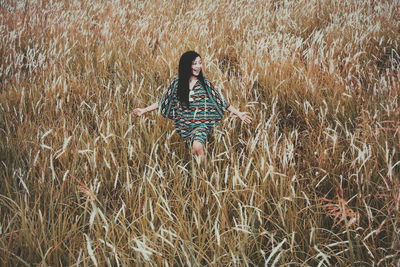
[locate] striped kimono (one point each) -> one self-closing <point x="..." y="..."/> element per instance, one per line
<point x="206" y="109"/>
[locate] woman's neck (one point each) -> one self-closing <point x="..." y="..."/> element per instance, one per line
<point x="193" y="78"/>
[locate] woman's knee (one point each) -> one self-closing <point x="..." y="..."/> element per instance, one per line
<point x="197" y="148"/>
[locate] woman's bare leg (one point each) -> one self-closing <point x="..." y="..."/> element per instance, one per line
<point x="199" y="151"/>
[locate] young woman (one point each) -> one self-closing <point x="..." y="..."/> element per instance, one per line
<point x="193" y="103"/>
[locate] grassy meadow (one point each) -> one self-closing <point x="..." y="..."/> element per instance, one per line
<point x="314" y="180"/>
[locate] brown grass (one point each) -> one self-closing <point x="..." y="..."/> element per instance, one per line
<point x="313" y="181"/>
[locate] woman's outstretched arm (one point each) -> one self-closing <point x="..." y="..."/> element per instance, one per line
<point x="244" y="116"/>
<point x="140" y="111"/>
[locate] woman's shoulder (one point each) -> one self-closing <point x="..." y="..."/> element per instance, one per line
<point x="207" y="81"/>
<point x="174" y="81"/>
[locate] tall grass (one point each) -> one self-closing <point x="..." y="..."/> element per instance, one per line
<point x="313" y="181"/>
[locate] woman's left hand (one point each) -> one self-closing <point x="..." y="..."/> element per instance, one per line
<point x="244" y="116"/>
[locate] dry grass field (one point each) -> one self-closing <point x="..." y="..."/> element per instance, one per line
<point x="312" y="181"/>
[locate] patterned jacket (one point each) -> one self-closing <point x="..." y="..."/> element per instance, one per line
<point x="168" y="102"/>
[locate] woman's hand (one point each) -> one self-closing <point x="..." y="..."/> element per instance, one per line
<point x="244" y="116"/>
<point x="139" y="111"/>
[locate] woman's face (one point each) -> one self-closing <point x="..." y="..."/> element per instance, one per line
<point x="196" y="66"/>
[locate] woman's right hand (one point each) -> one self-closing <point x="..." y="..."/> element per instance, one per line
<point x="139" y="112"/>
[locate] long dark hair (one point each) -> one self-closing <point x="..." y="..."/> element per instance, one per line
<point x="185" y="71"/>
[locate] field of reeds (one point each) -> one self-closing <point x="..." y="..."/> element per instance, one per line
<point x="313" y="181"/>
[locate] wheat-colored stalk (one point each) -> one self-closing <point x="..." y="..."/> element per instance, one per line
<point x="313" y="181"/>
